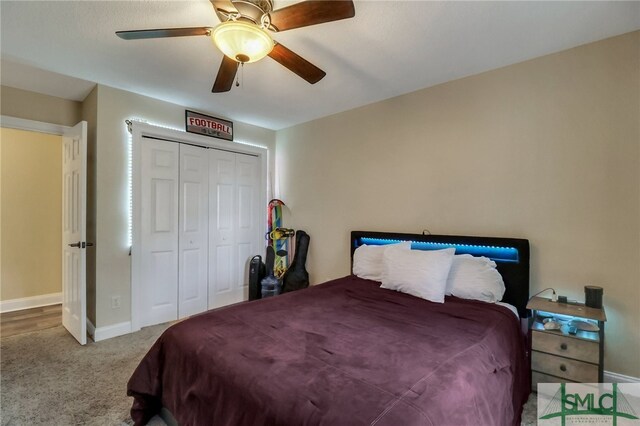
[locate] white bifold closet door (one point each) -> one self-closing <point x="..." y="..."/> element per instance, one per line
<point x="234" y="237"/>
<point x="200" y="221"/>
<point x="160" y="185"/>
<point x="193" y="241"/>
<point x="175" y="221"/>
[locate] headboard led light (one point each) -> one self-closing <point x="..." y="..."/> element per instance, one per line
<point x="497" y="254"/>
<point x="510" y="254"/>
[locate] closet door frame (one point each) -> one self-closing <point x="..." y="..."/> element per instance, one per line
<point x="140" y="130"/>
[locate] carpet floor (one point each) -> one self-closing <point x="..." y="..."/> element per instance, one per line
<point x="48" y="379"/>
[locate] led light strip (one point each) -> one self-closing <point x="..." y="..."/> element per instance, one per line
<point x="496" y="253"/>
<point x="130" y="166"/>
<point x="130" y="188"/>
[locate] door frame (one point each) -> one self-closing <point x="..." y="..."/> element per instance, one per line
<point x="33" y="126"/>
<point x="10" y="122"/>
<point x="138" y="131"/>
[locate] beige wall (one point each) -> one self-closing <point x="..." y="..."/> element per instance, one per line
<point x="113" y="263"/>
<point x="31" y="224"/>
<point x="34" y="106"/>
<point x="548" y="150"/>
<point x="105" y="109"/>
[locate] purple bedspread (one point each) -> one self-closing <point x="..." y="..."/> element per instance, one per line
<point x="342" y="353"/>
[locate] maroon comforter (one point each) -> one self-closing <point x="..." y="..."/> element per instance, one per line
<point x="342" y="353"/>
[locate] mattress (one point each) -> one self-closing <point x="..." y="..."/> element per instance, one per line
<point x="341" y="353"/>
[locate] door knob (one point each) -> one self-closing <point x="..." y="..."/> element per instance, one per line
<point x="75" y="244"/>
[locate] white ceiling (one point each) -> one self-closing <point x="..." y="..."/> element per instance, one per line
<point x="389" y="48"/>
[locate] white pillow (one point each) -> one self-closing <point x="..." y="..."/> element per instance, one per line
<point x="419" y="273"/>
<point x="367" y="260"/>
<point x="475" y="278"/>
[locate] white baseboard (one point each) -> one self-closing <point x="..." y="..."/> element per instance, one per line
<point x="610" y="377"/>
<point x="115" y="330"/>
<point x="30" y="302"/>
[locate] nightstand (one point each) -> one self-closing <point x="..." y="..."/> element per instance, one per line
<point x="556" y="355"/>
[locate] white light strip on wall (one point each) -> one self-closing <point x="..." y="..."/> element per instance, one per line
<point x="164" y="126"/>
<point x="255" y="145"/>
<point x="130" y="169"/>
<point x="130" y="189"/>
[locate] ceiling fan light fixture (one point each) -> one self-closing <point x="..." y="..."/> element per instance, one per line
<point x="242" y="41"/>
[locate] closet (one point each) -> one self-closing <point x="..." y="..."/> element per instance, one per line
<point x="200" y="222"/>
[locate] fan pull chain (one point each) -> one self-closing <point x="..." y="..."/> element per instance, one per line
<point x="241" y="66"/>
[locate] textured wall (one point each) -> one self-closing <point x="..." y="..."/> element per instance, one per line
<point x="548" y="150"/>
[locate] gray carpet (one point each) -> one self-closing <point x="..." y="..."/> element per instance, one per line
<point x="48" y="379"/>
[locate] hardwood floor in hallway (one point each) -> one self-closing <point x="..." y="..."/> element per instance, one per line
<point x="26" y="320"/>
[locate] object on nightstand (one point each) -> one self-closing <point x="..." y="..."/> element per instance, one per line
<point x="550" y="324"/>
<point x="593" y="296"/>
<point x="542" y="316"/>
<point x="584" y="326"/>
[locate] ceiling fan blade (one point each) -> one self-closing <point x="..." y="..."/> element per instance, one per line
<point x="297" y="64"/>
<point x="224" y="6"/>
<point x="311" y="13"/>
<point x="226" y="74"/>
<point x="164" y="32"/>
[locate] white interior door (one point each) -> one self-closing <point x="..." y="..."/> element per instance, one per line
<point x="159" y="164"/>
<point x="74" y="231"/>
<point x="193" y="239"/>
<point x="233" y="218"/>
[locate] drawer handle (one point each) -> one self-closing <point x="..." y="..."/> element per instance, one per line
<point x="563" y="346"/>
<point x="563" y="367"/>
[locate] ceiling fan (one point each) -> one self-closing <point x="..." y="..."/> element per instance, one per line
<point x="243" y="38"/>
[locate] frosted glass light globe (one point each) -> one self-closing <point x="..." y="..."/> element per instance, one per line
<point x="242" y="41"/>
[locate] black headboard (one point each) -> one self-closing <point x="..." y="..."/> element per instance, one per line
<point x="510" y="254"/>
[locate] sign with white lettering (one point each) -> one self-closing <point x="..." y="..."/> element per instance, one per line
<point x="208" y="126"/>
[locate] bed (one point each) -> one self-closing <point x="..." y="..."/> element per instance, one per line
<point x="348" y="352"/>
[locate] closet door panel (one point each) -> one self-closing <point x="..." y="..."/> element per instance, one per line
<point x="223" y="276"/>
<point x="194" y="225"/>
<point x="161" y="266"/>
<point x="159" y="243"/>
<point x="247" y="217"/>
<point x="222" y="256"/>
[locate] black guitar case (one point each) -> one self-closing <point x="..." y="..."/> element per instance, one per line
<point x="297" y="276"/>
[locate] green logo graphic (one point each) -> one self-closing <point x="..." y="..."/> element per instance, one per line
<point x="611" y="404"/>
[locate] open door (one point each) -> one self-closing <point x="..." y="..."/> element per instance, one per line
<point x="74" y="231"/>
